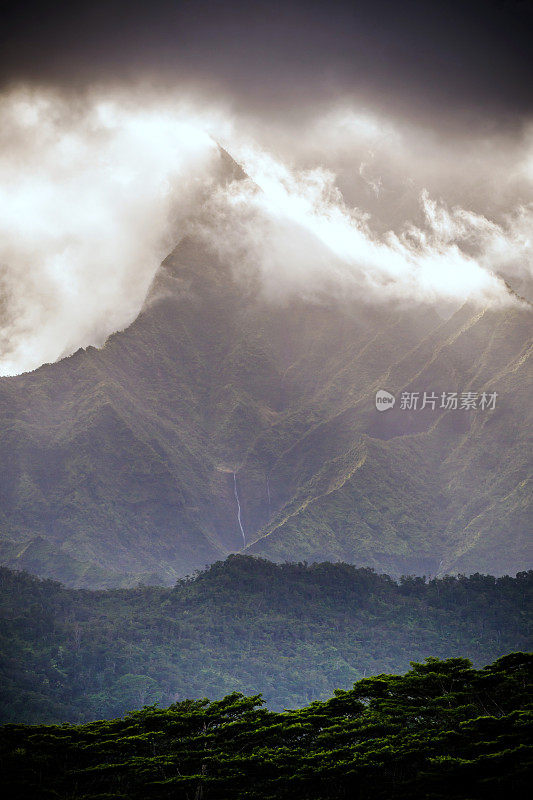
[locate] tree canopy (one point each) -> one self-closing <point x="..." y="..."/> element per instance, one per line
<point x="443" y="730"/>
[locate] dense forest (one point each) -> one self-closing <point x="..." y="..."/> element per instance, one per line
<point x="442" y="731"/>
<point x="292" y="632"/>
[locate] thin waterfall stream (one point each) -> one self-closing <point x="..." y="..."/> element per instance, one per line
<point x="238" y="508"/>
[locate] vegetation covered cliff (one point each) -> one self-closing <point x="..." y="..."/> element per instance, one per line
<point x="123" y="463"/>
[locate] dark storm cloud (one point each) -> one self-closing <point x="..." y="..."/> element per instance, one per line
<point x="472" y="57"/>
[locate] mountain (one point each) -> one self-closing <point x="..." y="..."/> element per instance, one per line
<point x="221" y="421"/>
<point x="293" y="632"/>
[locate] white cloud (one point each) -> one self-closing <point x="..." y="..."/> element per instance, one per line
<point x="91" y="200"/>
<point x="297" y="230"/>
<point x="94" y="192"/>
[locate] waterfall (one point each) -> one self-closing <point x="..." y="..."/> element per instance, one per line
<point x="238" y="508"/>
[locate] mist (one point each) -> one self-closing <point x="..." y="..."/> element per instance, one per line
<point x="96" y="191"/>
<point x="92" y="198"/>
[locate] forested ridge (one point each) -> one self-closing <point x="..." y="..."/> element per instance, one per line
<point x="443" y="730"/>
<point x="292" y="632"/>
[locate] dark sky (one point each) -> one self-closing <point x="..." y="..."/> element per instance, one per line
<point x="470" y="57"/>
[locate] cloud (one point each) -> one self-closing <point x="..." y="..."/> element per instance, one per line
<point x="96" y="190"/>
<point x="296" y="230"/>
<point x="92" y="197"/>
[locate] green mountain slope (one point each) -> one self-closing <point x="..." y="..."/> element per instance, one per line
<point x="427" y="477"/>
<point x="126" y="463"/>
<point x="293" y="632"/>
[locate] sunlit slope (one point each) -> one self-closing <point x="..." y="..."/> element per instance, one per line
<point x="441" y="491"/>
<point x="121" y="461"/>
